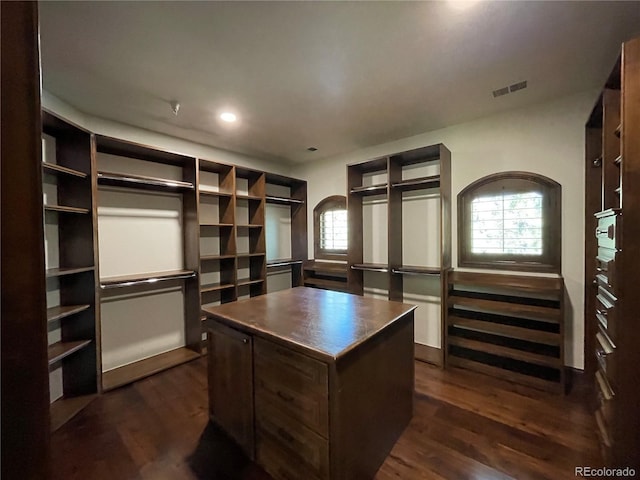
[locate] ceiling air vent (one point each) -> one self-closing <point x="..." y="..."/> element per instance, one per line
<point x="510" y="89"/>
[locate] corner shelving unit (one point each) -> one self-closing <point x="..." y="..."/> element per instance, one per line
<point x="393" y="179"/>
<point x="73" y="352"/>
<point x="132" y="190"/>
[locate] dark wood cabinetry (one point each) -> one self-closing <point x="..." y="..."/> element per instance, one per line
<point x="612" y="249"/>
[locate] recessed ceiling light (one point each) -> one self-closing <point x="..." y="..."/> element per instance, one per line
<point x="228" y="117"/>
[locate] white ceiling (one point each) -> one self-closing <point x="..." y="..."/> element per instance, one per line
<point x="338" y="76"/>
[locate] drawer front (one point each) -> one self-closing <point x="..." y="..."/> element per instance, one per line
<point x="305" y="405"/>
<point x="607" y="230"/>
<point x="303" y="447"/>
<point x="277" y="462"/>
<point x="297" y="371"/>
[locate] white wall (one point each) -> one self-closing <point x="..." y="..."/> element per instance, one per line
<point x="547" y="139"/>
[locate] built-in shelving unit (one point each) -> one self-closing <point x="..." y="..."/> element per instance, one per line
<point x="73" y="350"/>
<point x="415" y="182"/>
<point x="612" y="256"/>
<point x="149" y="260"/>
<point x="510" y="326"/>
<point x="326" y="275"/>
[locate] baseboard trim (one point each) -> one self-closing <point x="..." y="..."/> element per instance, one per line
<point x="428" y="354"/>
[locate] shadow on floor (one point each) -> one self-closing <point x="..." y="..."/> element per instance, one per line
<point x="217" y="457"/>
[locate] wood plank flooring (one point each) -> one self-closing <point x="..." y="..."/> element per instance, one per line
<point x="465" y="426"/>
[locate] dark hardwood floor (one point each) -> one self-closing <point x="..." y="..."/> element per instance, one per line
<point x="465" y="426"/>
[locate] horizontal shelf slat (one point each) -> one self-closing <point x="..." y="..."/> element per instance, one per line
<point x="247" y="281"/>
<point x="54" y="169"/>
<point x="283" y="200"/>
<point x="510" y="283"/>
<point x="65" y="209"/>
<point x="145" y="278"/>
<point x="245" y="255"/>
<point x="509" y="331"/>
<point x="378" y="189"/>
<point x="370" y="267"/>
<point x="242" y="196"/>
<point x="432" y="181"/>
<point x="143" y="368"/>
<point x="60" y="350"/>
<point x="329" y="268"/>
<point x="219" y="225"/>
<point x="209" y="193"/>
<point x="416" y="270"/>
<point x="543" y="314"/>
<point x="503" y="373"/>
<point x="250" y="225"/>
<point x="215" y="257"/>
<point x="65" y="408"/>
<point x="214" y="287"/>
<point x="283" y="263"/>
<point x="504" y="351"/>
<point x="59" y="272"/>
<point x="61" y="311"/>
<point x="140" y="181"/>
<point x="323" y="282"/>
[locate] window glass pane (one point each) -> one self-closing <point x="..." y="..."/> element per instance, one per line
<point x="507" y="224"/>
<point x="333" y="230"/>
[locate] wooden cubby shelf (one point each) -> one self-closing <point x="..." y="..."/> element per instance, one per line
<point x="61" y="311"/>
<point x="241" y="196"/>
<point x="283" y="200"/>
<point x="65" y="209"/>
<point x="326" y="275"/>
<point x="64" y="409"/>
<point x="207" y="258"/>
<point x="248" y="281"/>
<point x="60" y="350"/>
<point x="249" y="225"/>
<point x="60" y="272"/>
<point x="510" y="326"/>
<point x="214" y="194"/>
<point x="371" y="267"/>
<point x="216" y="225"/>
<point x="145" y="278"/>
<point x="143" y="182"/>
<point x="246" y="255"/>
<point x="416" y="270"/>
<point x="379" y="189"/>
<point x="148" y="366"/>
<point x="418" y="183"/>
<point x="55" y="169"/>
<point x="214" y="287"/>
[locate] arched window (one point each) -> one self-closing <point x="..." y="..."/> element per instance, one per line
<point x="330" y="228"/>
<point x="511" y="221"/>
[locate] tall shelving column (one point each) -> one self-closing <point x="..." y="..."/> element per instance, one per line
<point x="612" y="335"/>
<point x="250" y="233"/>
<point x="69" y="252"/>
<point x="289" y="194"/>
<point x="149" y="260"/>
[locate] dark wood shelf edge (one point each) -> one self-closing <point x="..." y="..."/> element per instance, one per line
<point x="53" y="168"/>
<point x="143" y="368"/>
<point x="59" y="272"/>
<point x="62" y="311"/>
<point x="64" y="409"/>
<point x="61" y="350"/>
<point x="245" y="281"/>
<point x="215" y="287"/>
<point x="66" y="209"/>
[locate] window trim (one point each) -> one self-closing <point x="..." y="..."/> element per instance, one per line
<point x="330" y="203"/>
<point x="513" y="182"/>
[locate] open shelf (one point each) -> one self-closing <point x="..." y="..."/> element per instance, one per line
<point x="65" y="209"/>
<point x="145" y="278"/>
<point x="418" y="183"/>
<point x="248" y="281"/>
<point x="60" y="350"/>
<point x="499" y="329"/>
<point x="371" y="267"/>
<point x="61" y="311"/>
<point x="209" y="193"/>
<point x="415" y="270"/>
<point x="283" y="263"/>
<point x="218" y="225"/>
<point x="64" y="409"/>
<point x="214" y="287"/>
<point x="206" y="258"/>
<point x="144" y="182"/>
<point x="54" y="169"/>
<point x="504" y="306"/>
<point x="379" y="189"/>
<point x="246" y="255"/>
<point x="59" y="272"/>
<point x="242" y="196"/>
<point x="283" y="200"/>
<point x="143" y="368"/>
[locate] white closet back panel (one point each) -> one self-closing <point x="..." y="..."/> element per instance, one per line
<point x="140" y="324"/>
<point x="209" y="210"/>
<point x="139" y="232"/>
<point x="114" y="163"/>
<point x="278" y="190"/>
<point x="420" y="170"/>
<point x="208" y="182"/>
<point x="278" y="280"/>
<point x="375" y="245"/>
<point x="374" y="178"/>
<point x="376" y="285"/>
<point x="425" y="293"/>
<point x="278" y="230"/>
<point x="210" y="241"/>
<point x="242" y="186"/>
<point x="421" y="229"/>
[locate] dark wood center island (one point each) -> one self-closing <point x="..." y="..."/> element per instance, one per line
<point x="312" y="383"/>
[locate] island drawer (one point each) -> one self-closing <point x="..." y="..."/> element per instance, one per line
<point x="298" y="371"/>
<point x="299" y="444"/>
